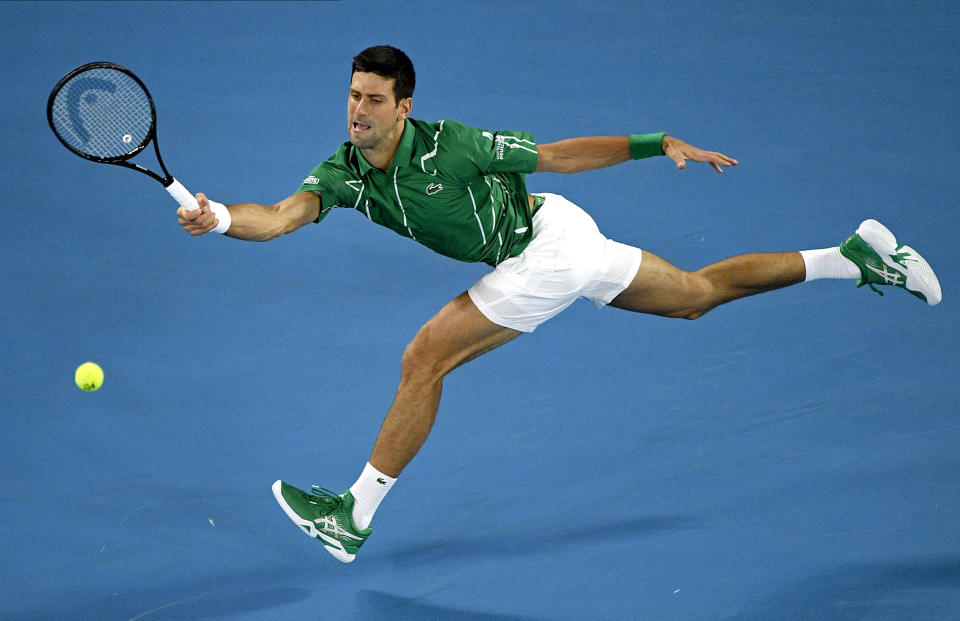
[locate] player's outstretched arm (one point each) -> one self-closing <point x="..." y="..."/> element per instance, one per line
<point x="575" y="155"/>
<point x="252" y="221"/>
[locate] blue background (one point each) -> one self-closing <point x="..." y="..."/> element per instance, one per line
<point x="791" y="456"/>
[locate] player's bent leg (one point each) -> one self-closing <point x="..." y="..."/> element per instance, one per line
<point x="458" y="333"/>
<point x="455" y="335"/>
<point x="660" y="288"/>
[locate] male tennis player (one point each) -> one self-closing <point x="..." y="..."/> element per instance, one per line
<point x="461" y="192"/>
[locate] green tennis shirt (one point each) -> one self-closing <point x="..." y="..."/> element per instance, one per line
<point x="457" y="190"/>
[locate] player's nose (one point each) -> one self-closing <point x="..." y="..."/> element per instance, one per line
<point x="359" y="107"/>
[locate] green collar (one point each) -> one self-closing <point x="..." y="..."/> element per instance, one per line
<point x="400" y="158"/>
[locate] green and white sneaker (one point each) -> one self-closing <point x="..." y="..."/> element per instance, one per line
<point x="882" y="261"/>
<point x="325" y="516"/>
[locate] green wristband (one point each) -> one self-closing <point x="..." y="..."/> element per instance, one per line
<point x="646" y="145"/>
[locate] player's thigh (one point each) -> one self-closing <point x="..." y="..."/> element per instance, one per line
<point x="459" y="332"/>
<point x="660" y="288"/>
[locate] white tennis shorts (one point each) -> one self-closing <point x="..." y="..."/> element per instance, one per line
<point x="568" y="258"/>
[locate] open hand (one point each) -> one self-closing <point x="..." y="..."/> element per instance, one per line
<point x="679" y="151"/>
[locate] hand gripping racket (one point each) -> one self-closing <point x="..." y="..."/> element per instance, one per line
<point x="104" y="113"/>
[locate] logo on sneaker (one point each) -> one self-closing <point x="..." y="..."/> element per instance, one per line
<point x="329" y="526"/>
<point x="890" y="277"/>
<point x="381" y="481"/>
<point x="433" y="188"/>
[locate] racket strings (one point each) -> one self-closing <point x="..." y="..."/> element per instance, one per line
<point x="104" y="113"/>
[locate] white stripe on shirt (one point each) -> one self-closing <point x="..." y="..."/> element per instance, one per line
<point x="396" y="189"/>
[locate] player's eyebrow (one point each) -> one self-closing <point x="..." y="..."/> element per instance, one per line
<point x="359" y="92"/>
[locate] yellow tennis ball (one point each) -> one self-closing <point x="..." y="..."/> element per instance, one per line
<point x="89" y="376"/>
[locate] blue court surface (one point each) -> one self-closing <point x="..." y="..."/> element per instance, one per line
<point x="789" y="456"/>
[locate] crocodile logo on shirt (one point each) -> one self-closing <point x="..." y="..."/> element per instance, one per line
<point x="433" y="188"/>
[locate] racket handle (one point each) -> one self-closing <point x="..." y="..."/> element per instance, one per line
<point x="182" y="195"/>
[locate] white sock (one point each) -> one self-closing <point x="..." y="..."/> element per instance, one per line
<point x="828" y="263"/>
<point x="368" y="492"/>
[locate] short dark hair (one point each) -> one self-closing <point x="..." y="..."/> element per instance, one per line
<point x="388" y="62"/>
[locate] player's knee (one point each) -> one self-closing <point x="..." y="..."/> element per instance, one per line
<point x="420" y="361"/>
<point x="692" y="314"/>
<point x="686" y="312"/>
<point x="700" y="298"/>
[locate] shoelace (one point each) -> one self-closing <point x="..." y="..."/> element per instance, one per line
<point x="324" y="497"/>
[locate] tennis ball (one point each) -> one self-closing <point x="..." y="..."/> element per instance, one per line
<point x="89" y="376"/>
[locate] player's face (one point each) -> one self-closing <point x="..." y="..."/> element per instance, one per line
<point x="374" y="118"/>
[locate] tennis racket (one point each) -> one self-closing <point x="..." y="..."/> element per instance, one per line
<point x="103" y="112"/>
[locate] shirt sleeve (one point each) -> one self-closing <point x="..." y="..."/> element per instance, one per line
<point x="496" y="151"/>
<point x="325" y="182"/>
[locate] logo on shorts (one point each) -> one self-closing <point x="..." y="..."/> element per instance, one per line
<point x="433" y="188"/>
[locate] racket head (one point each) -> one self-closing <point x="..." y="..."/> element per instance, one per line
<point x="102" y="112"/>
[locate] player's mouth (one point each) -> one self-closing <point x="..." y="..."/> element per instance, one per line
<point x="360" y="127"/>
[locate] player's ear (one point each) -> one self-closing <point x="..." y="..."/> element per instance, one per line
<point x="404" y="107"/>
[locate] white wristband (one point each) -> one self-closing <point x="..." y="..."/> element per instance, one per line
<point x="223" y="216"/>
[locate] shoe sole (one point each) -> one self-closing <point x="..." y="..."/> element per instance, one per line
<point x="920" y="278"/>
<point x="330" y="544"/>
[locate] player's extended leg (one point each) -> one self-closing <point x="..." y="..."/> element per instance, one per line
<point x="872" y="254"/>
<point x="455" y="335"/>
<point x="660" y="288"/>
